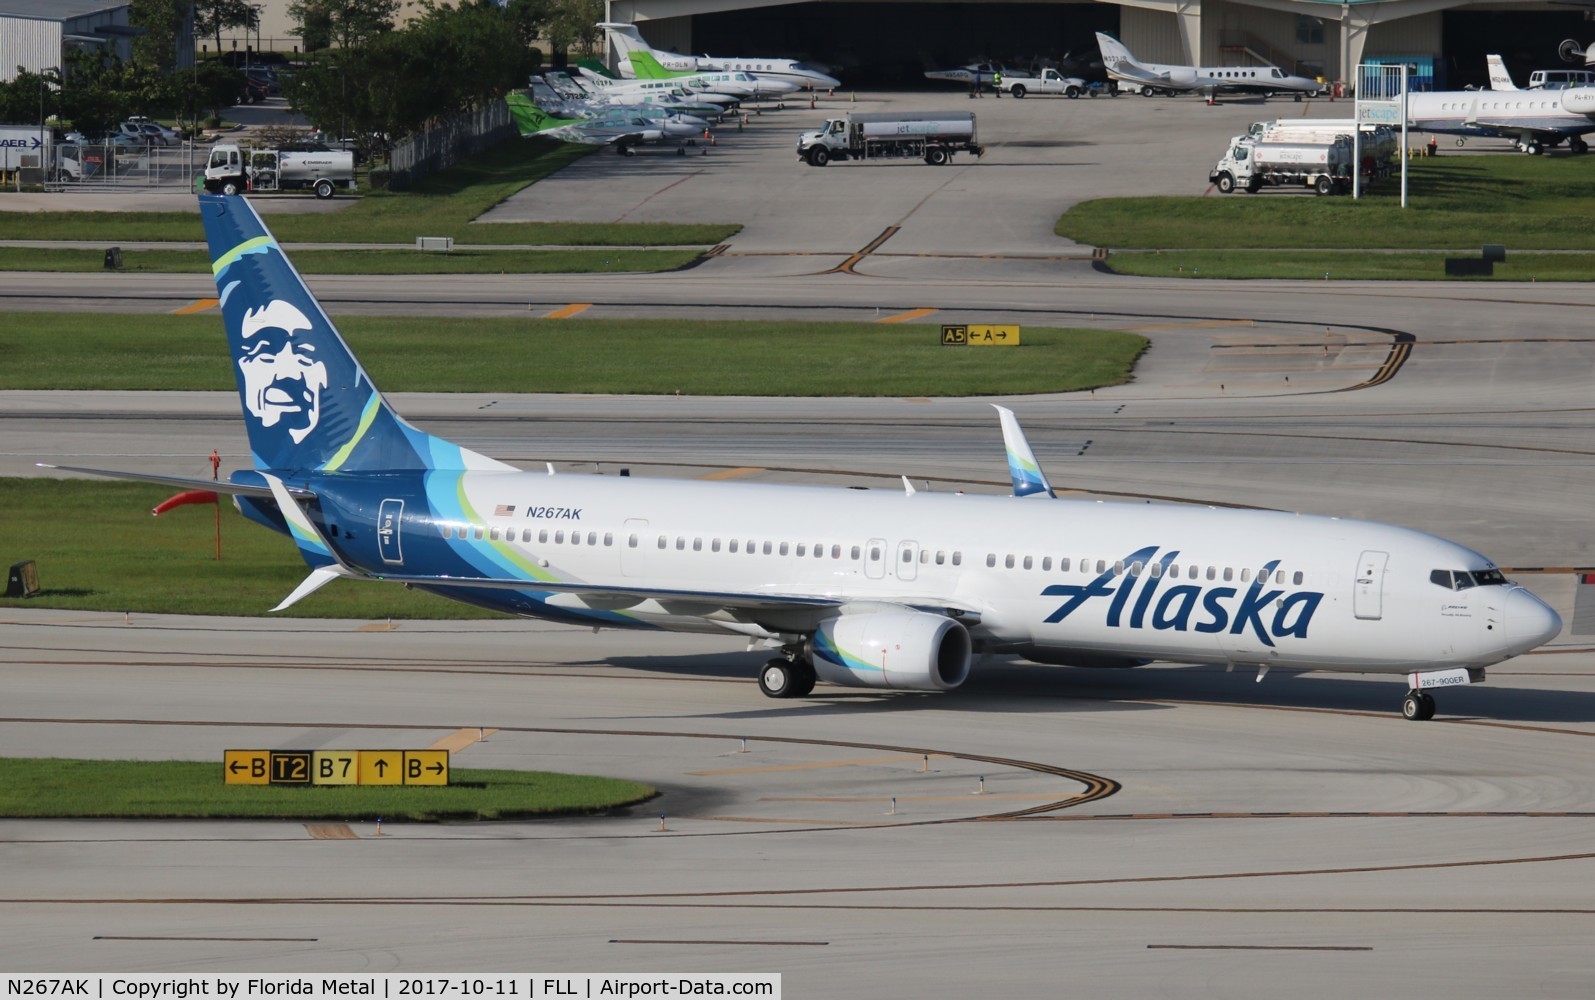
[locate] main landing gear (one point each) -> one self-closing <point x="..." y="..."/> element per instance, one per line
<point x="784" y="678"/>
<point x="1417" y="706"/>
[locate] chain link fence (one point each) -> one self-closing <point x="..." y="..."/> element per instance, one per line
<point x="107" y="167"/>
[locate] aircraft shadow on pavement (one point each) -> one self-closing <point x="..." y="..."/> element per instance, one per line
<point x="1017" y="686"/>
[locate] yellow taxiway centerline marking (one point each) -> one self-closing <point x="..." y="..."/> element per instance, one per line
<point x="196" y="306"/>
<point x="809" y="766"/>
<point x="905" y="317"/>
<point x="462" y="738"/>
<point x="746" y="470"/>
<point x="566" y="312"/>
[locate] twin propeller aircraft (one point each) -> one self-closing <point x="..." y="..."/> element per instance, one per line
<point x="885" y="589"/>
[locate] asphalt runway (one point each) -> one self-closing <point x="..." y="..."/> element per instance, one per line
<point x="1163" y="831"/>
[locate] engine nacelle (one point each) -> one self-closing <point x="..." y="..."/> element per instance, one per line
<point x="1579" y="100"/>
<point x="891" y="647"/>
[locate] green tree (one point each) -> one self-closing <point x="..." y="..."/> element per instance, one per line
<point x="30" y="98"/>
<point x="162" y="21"/>
<point x="210" y="88"/>
<point x="346" y="23"/>
<point x="573" y="24"/>
<point x="212" y="16"/>
<point x="446" y="60"/>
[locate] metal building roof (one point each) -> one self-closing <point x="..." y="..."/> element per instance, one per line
<point x="56" y="10"/>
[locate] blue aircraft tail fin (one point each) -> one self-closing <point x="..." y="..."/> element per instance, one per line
<point x="308" y="405"/>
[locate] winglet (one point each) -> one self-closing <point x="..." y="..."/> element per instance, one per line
<point x="318" y="555"/>
<point x="1028" y="479"/>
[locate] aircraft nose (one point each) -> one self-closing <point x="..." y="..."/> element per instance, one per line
<point x="1530" y="622"/>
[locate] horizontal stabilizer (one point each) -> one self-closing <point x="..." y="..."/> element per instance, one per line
<point x="317" y="579"/>
<point x="185" y="483"/>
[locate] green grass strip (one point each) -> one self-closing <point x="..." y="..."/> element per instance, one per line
<point x="367" y="261"/>
<point x="1336" y="266"/>
<point x="127" y="789"/>
<point x="98" y="549"/>
<point x="409" y="354"/>
<point x="444" y="204"/>
<point x="1526" y="202"/>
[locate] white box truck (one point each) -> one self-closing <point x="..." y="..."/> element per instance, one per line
<point x="233" y="168"/>
<point x="933" y="136"/>
<point x="1322" y="163"/>
<point x="24" y="147"/>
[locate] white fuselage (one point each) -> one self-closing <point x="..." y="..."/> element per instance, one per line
<point x="1507" y="114"/>
<point x="1060" y="581"/>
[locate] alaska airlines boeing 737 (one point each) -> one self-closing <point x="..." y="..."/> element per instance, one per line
<point x="892" y="589"/>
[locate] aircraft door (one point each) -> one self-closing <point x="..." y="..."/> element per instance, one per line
<point x="633" y="539"/>
<point x="907" y="560"/>
<point x="389" y="517"/>
<point x="1368" y="598"/>
<point x="875" y="559"/>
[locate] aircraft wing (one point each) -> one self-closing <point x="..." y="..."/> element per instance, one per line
<point x="184" y="483"/>
<point x="1510" y="128"/>
<point x="791" y="611"/>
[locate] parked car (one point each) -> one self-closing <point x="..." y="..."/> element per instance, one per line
<point x="265" y="78"/>
<point x="149" y="133"/>
<point x="254" y="92"/>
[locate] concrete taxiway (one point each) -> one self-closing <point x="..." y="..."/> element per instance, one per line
<point x="1171" y="830"/>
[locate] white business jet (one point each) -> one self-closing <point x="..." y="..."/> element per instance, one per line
<point x="1162" y="78"/>
<point x="628" y="40"/>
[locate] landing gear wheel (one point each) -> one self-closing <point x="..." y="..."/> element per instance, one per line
<point x="1417" y="706"/>
<point x="1147" y="91"/>
<point x="1577" y="146"/>
<point x="1534" y="149"/>
<point x="803" y="679"/>
<point x="778" y="679"/>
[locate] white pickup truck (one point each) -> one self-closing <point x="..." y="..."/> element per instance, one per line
<point x="1049" y="82"/>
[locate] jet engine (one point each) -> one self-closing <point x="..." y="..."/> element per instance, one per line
<point x="1579" y="100"/>
<point x="891" y="647"/>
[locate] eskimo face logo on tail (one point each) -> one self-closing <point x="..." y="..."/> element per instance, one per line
<point x="1162" y="603"/>
<point x="283" y="379"/>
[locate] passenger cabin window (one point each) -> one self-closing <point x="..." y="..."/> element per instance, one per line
<point x="1297" y="578"/>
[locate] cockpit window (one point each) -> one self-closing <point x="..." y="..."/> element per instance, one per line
<point x="1461" y="579"/>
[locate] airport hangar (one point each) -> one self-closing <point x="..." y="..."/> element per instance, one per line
<point x="875" y="42"/>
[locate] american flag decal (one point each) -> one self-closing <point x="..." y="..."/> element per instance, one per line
<point x="504" y="510"/>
